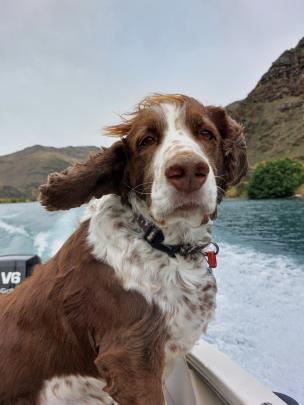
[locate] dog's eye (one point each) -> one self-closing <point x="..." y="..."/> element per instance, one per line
<point x="205" y="133"/>
<point x="148" y="140"/>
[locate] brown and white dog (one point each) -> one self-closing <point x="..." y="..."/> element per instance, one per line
<point x="106" y="317"/>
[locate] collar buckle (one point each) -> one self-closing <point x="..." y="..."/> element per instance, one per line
<point x="153" y="235"/>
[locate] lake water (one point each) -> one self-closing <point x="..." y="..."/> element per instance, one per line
<point x="260" y="314"/>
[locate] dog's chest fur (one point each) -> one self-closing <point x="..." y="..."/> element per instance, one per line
<point x="183" y="288"/>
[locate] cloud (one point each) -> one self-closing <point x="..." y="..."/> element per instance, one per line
<point x="67" y="66"/>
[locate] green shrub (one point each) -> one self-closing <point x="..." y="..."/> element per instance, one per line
<point x="275" y="179"/>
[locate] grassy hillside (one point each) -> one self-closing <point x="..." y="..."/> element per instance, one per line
<point x="22" y="172"/>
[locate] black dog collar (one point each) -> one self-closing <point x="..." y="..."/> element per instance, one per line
<point x="155" y="237"/>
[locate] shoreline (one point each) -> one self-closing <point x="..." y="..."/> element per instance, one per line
<point x="15" y="200"/>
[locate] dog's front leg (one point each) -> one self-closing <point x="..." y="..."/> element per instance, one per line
<point x="132" y="371"/>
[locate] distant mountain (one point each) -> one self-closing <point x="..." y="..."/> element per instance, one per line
<point x="22" y="172"/>
<point x="273" y="112"/>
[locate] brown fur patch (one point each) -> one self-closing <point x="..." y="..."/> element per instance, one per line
<point x="118" y="225"/>
<point x="173" y="347"/>
<point x="101" y="174"/>
<point x="208" y="286"/>
<point x="68" y="382"/>
<point x="189" y="304"/>
<point x="55" y="388"/>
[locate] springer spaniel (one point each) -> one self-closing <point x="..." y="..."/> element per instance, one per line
<point x="104" y="320"/>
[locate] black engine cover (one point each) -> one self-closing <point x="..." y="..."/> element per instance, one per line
<point x="15" y="268"/>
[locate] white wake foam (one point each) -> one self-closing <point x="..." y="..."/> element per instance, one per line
<point x="41" y="243"/>
<point x="260" y="319"/>
<point x="11" y="229"/>
<point x="49" y="242"/>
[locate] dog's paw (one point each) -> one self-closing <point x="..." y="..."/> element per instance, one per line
<point x="75" y="389"/>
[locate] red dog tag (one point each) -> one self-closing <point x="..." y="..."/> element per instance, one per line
<point x="212" y="259"/>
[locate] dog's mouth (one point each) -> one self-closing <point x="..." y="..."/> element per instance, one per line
<point x="188" y="204"/>
<point x="194" y="208"/>
<point x="189" y="209"/>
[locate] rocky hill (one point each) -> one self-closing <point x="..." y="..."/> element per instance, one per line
<point x="273" y="112"/>
<point x="22" y="172"/>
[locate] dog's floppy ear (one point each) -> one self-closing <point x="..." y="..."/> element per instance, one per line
<point x="234" y="147"/>
<point x="101" y="174"/>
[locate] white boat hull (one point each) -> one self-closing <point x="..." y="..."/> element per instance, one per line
<point x="209" y="377"/>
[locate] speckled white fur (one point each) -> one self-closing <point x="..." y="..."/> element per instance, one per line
<point x="182" y="288"/>
<point x="74" y="390"/>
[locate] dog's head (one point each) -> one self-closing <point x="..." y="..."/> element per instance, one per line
<point x="175" y="156"/>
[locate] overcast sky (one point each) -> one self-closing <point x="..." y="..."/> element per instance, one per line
<point x="67" y="67"/>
